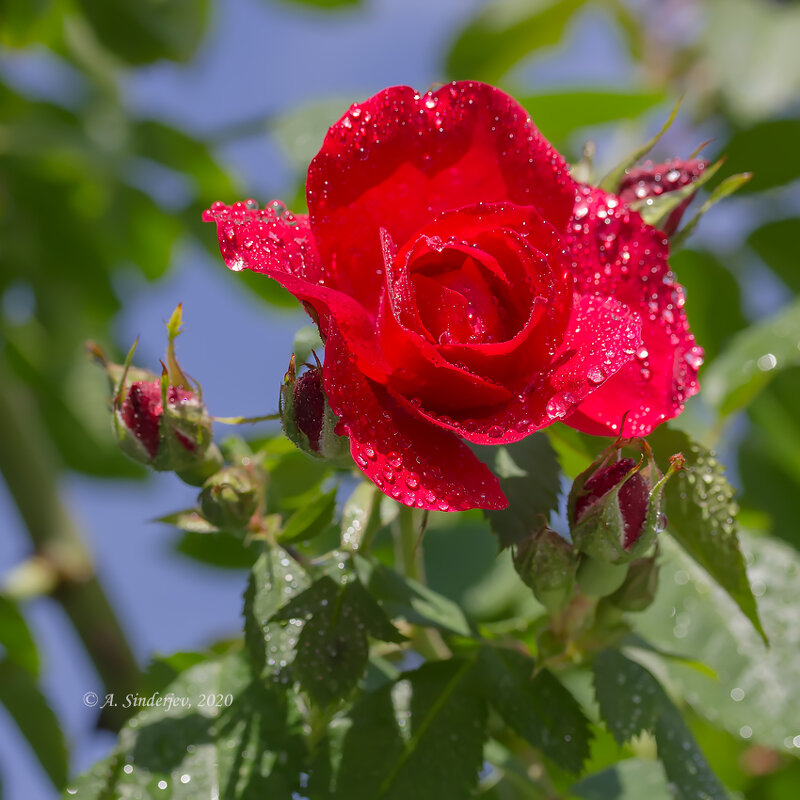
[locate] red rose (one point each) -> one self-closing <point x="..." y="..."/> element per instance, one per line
<point x="467" y="288"/>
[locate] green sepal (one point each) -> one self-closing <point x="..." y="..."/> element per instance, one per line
<point x="547" y="563"/>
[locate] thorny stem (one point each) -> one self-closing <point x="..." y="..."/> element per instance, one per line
<point x="27" y="464"/>
<point x="409" y="560"/>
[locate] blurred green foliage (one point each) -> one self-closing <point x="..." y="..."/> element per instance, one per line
<point x="74" y="217"/>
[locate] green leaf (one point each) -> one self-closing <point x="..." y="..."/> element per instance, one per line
<point x="36" y="721"/>
<point x="611" y="181"/>
<point x="332" y="651"/>
<point x="311" y="520"/>
<point x="225" y="737"/>
<point x="728" y="186"/>
<point x="306" y="341"/>
<point x="292" y="475"/>
<point x="775" y="243"/>
<point x="141" y="33"/>
<point x="558" y="114"/>
<point x="632" y="701"/>
<point x="767" y="149"/>
<point x="503" y="33"/>
<point x="631" y="779"/>
<point x="701" y="515"/>
<point x="530" y="477"/>
<point x="421" y="737"/>
<point x="411" y="601"/>
<point x="537" y="707"/>
<point x="709" y="286"/>
<point x="751" y="359"/>
<point x="753" y="694"/>
<point x="15" y="637"/>
<point x="274" y="580"/>
<point x="218" y="549"/>
<point x="301" y="131"/>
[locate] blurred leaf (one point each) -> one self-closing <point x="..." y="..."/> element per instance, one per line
<point x="701" y="515"/>
<point x="752" y="359"/>
<point x="529" y="475"/>
<point x="301" y="131"/>
<point x="409" y="600"/>
<point x="148" y="30"/>
<point x="421" y="737"/>
<point x="361" y="515"/>
<point x="558" y="114"/>
<point x="709" y="286"/>
<point x="275" y="579"/>
<point x="163" y="670"/>
<point x="325" y="3"/>
<point x="310" y="520"/>
<point x="244" y="741"/>
<point x="768" y="150"/>
<point x="536" y="706"/>
<point x="292" y="474"/>
<point x="217" y="548"/>
<point x="23" y="21"/>
<point x="503" y="33"/>
<point x="754" y="696"/>
<point x="36" y="721"/>
<point x="332" y="651"/>
<point x="631" y="779"/>
<point x="15" y="637"/>
<point x="776" y="244"/>
<point x="306" y="341"/>
<point x="631" y="701"/>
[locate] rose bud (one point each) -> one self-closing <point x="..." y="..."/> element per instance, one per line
<point x="653" y="180"/>
<point x="166" y="427"/>
<point x="230" y="498"/>
<point x="307" y="418"/>
<point x="547" y="562"/>
<point x="614" y="508"/>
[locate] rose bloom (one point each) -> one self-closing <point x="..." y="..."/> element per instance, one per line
<point x="468" y="290"/>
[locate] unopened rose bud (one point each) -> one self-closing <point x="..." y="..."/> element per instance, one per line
<point x="307" y="418"/>
<point x="230" y="498"/>
<point x="547" y="562"/>
<point x="654" y="180"/>
<point x="614" y="507"/>
<point x="174" y="436"/>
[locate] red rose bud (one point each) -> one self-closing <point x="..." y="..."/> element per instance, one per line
<point x="230" y="498"/>
<point x="174" y="436"/>
<point x="653" y="180"/>
<point x="547" y="562"/>
<point x="615" y="508"/>
<point x="307" y="418"/>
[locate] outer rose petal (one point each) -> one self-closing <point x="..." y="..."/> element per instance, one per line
<point x="409" y="459"/>
<point x="617" y="255"/>
<point x="277" y="243"/>
<point x="601" y="339"/>
<point x="399" y="159"/>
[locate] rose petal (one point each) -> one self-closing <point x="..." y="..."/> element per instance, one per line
<point x="617" y="255"/>
<point x="409" y="459"/>
<point x="601" y="339"/>
<point x="398" y="159"/>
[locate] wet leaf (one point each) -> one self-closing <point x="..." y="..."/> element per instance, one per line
<point x="530" y="477"/>
<point x="536" y="707"/>
<point x="701" y="513"/>
<point x="274" y="580"/>
<point x="632" y="701"/>
<point x="332" y="650"/>
<point x="631" y="779"/>
<point x="421" y="737"/>
<point x="753" y="695"/>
